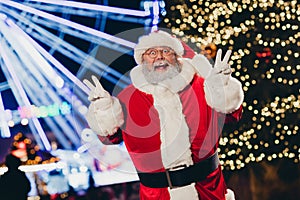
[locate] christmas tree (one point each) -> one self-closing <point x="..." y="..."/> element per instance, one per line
<point x="264" y="38"/>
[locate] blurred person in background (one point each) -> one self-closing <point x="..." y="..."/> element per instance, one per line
<point x="14" y="184"/>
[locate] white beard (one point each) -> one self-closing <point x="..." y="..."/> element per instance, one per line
<point x="155" y="77"/>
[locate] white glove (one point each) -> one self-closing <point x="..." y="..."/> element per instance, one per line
<point x="220" y="74"/>
<point x="105" y="114"/>
<point x="97" y="93"/>
<point x="223" y="92"/>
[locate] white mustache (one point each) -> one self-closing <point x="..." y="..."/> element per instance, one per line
<point x="160" y="63"/>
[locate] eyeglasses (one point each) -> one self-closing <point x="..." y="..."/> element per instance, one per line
<point x="153" y="53"/>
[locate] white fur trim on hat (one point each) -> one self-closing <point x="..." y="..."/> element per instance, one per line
<point x="154" y="39"/>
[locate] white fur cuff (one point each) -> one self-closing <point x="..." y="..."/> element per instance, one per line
<point x="201" y="64"/>
<point x="105" y="122"/>
<point x="225" y="98"/>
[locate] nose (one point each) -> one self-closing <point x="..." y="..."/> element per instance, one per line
<point x="160" y="55"/>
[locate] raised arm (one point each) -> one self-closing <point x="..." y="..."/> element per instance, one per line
<point x="223" y="92"/>
<point x="104" y="114"/>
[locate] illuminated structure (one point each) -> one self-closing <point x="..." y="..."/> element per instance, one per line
<point x="264" y="37"/>
<point x="46" y="48"/>
<point x="37" y="37"/>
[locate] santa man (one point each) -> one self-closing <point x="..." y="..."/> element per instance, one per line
<point x="170" y="119"/>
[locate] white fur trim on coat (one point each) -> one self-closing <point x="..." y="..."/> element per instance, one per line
<point x="201" y="64"/>
<point x="106" y="121"/>
<point x="230" y="195"/>
<point x="175" y="144"/>
<point x="174" y="134"/>
<point x="187" y="192"/>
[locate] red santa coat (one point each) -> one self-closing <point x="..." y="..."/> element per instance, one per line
<point x="150" y="112"/>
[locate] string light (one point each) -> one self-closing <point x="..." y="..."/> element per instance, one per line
<point x="263" y="59"/>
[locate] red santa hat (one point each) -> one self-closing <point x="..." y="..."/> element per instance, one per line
<point x="155" y="39"/>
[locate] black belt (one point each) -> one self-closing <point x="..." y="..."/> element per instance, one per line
<point x="181" y="177"/>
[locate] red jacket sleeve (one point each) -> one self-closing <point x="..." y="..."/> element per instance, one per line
<point x="112" y="139"/>
<point x="235" y="116"/>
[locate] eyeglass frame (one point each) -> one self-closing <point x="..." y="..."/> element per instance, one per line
<point x="161" y="51"/>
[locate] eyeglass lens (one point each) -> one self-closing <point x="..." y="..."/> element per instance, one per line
<point x="153" y="53"/>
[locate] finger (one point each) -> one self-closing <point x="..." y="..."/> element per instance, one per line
<point x="97" y="83"/>
<point x="99" y="88"/>
<point x="89" y="84"/>
<point x="227" y="56"/>
<point x="218" y="57"/>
